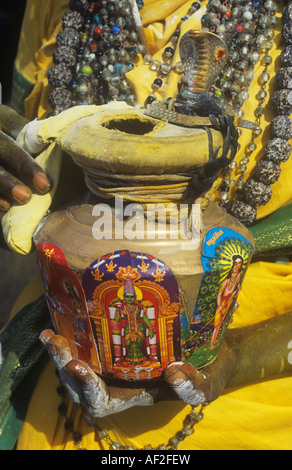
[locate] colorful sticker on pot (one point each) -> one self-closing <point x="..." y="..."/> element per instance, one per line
<point x="67" y="304"/>
<point x="133" y="302"/>
<point x="225" y="259"/>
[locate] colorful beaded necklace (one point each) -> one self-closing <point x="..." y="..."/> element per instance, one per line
<point x="98" y="44"/>
<point x="247" y="29"/>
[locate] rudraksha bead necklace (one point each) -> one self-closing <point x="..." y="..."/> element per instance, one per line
<point x="245" y="26"/>
<point x="257" y="191"/>
<point x="253" y="23"/>
<point x="166" y="67"/>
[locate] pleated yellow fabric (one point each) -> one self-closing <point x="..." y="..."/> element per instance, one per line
<point x="41" y="23"/>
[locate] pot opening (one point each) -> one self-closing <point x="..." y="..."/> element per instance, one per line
<point x="130" y="126"/>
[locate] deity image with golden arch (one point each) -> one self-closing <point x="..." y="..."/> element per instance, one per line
<point x="133" y="304"/>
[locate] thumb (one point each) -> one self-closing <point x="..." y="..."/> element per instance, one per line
<point x="195" y="386"/>
<point x="187" y="382"/>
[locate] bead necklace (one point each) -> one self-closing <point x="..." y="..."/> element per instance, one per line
<point x="166" y="67"/>
<point x="95" y="51"/>
<point x="242" y="25"/>
<point x="251" y="38"/>
<point x="251" y="147"/>
<point x="246" y="28"/>
<point x="192" y="418"/>
<point x="98" y="44"/>
<point x="256" y="191"/>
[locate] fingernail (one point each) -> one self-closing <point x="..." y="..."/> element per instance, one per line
<point x="173" y="368"/>
<point x="46" y="335"/>
<point x="170" y="371"/>
<point x="175" y="375"/>
<point x="21" y="193"/>
<point x="53" y="349"/>
<point x="41" y="182"/>
<point x="4" y="206"/>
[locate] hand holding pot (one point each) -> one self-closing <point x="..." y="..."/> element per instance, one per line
<point x="248" y="354"/>
<point x="20" y="174"/>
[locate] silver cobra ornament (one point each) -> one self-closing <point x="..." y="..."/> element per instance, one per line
<point x="203" y="55"/>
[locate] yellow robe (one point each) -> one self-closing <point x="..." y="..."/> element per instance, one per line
<point x="257" y="416"/>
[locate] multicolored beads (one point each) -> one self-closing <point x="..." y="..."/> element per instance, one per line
<point x="97" y="46"/>
<point x="246" y="29"/>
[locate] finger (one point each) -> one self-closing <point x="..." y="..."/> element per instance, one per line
<point x="187" y="382"/>
<point x="96" y="396"/>
<point x="90" y="381"/>
<point x="15" y="160"/>
<point x="12" y="189"/>
<point x="60" y="352"/>
<point x="11" y="122"/>
<point x="57" y="347"/>
<point x="46" y="335"/>
<point x="4" y="205"/>
<point x="206" y="385"/>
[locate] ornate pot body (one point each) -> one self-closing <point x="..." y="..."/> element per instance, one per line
<point x="133" y="294"/>
<point x="129" y="306"/>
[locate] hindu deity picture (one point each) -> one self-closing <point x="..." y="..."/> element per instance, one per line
<point x="67" y="304"/>
<point x="225" y="258"/>
<point x="122" y="316"/>
<point x="133" y="302"/>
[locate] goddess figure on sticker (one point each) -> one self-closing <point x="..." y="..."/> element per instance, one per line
<point x="226" y="294"/>
<point x="134" y="322"/>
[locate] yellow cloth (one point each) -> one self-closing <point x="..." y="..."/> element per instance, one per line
<point x="13" y="222"/>
<point x="41" y="23"/>
<point x="258" y="416"/>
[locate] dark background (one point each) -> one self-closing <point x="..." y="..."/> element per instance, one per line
<point x="15" y="270"/>
<point x="11" y="14"/>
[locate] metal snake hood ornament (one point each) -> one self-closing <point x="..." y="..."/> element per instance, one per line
<point x="203" y="55"/>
